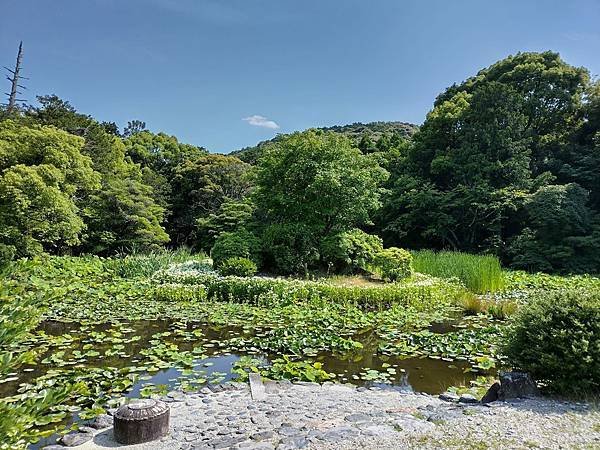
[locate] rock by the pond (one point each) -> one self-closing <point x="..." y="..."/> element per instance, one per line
<point x="263" y="436"/>
<point x="292" y="442"/>
<point x="516" y="385"/>
<point x="468" y="399"/>
<point x="75" y="438"/>
<point x="102" y="421"/>
<point x="449" y="397"/>
<point x="357" y="417"/>
<point x="412" y="425"/>
<point x="227" y="442"/>
<point x="378" y="430"/>
<point x="492" y="393"/>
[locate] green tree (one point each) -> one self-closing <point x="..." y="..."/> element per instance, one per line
<point x="42" y="174"/>
<point x="366" y="144"/>
<point x="231" y="215"/>
<point x="351" y="250"/>
<point x="580" y="157"/>
<point x="551" y="92"/>
<point x="134" y="127"/>
<point x="467" y="171"/>
<point x="563" y="234"/>
<point x="200" y="186"/>
<point x="238" y="244"/>
<point x="158" y="155"/>
<point x="125" y="212"/>
<point x="314" y="184"/>
<point x="123" y="216"/>
<point x="53" y="110"/>
<point x="160" y="152"/>
<point x="485" y="149"/>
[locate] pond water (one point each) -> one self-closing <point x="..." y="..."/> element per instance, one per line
<point x="125" y="344"/>
<point x="428" y="375"/>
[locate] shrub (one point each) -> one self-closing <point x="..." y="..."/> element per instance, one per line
<point x="393" y="263"/>
<point x="479" y="273"/>
<point x="240" y="267"/>
<point x="290" y="248"/>
<point x="240" y="244"/>
<point x="556" y="338"/>
<point x="350" y="250"/>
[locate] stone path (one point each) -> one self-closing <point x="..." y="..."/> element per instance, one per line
<point x="334" y="416"/>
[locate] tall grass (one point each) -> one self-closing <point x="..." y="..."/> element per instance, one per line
<point x="479" y="273"/>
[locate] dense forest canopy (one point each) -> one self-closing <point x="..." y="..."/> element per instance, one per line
<point x="507" y="162"/>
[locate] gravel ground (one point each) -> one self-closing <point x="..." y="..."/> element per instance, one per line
<point x="335" y="416"/>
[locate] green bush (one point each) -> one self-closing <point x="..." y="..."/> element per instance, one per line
<point x="393" y="263"/>
<point x="240" y="267"/>
<point x="290" y="248"/>
<point x="235" y="244"/>
<point x="556" y="338"/>
<point x="350" y="250"/>
<point x="479" y="273"/>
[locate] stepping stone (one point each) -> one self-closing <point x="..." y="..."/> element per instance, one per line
<point x="257" y="388"/>
<point x="76" y="438"/>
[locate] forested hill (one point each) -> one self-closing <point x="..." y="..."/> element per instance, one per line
<point x="368" y="133"/>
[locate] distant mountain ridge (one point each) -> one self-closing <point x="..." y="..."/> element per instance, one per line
<point x="355" y="131"/>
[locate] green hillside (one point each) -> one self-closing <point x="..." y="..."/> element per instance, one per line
<point x="356" y="131"/>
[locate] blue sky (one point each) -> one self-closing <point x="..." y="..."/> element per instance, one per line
<point x="198" y="68"/>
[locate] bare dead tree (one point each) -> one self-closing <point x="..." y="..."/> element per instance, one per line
<point x="14" y="78"/>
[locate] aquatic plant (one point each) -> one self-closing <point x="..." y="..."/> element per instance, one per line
<point x="479" y="273"/>
<point x="134" y="265"/>
<point x="263" y="290"/>
<point x="283" y="368"/>
<point x="20" y="414"/>
<point x="477" y="345"/>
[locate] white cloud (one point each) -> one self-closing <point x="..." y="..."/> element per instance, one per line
<point x="260" y="121"/>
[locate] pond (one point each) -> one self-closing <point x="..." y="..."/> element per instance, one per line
<point x="152" y="357"/>
<point x="71" y="341"/>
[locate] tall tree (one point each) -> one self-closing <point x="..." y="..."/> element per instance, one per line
<point x="200" y="186"/>
<point x="42" y="174"/>
<point x="124" y="212"/>
<point x="158" y="155"/>
<point x="484" y="152"/>
<point x="14" y="78"/>
<point x="311" y="185"/>
<point x="562" y="232"/>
